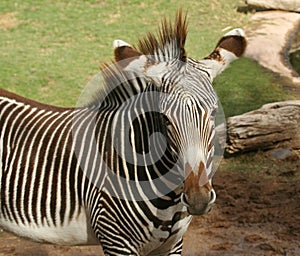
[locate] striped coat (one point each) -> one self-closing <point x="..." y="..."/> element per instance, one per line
<point x="127" y="169"/>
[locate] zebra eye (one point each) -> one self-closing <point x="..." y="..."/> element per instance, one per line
<point x="166" y="120"/>
<point x="214" y="112"/>
<point x="212" y="116"/>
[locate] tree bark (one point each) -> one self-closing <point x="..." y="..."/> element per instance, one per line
<point x="273" y="125"/>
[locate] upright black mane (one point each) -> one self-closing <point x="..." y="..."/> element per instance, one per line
<point x="115" y="85"/>
<point x="169" y="41"/>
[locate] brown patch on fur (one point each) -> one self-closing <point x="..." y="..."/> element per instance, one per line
<point x="197" y="191"/>
<point x="234" y="44"/>
<point x="215" y="55"/>
<point x="196" y="182"/>
<point x="125" y="52"/>
<point x="168" y="34"/>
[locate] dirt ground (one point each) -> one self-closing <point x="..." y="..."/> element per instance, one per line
<point x="257" y="213"/>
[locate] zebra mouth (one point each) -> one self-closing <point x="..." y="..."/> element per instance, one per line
<point x="200" y="211"/>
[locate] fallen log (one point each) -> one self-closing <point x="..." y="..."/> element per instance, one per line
<point x="273" y="125"/>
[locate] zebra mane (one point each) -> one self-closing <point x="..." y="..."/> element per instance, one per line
<point x="114" y="86"/>
<point x="111" y="87"/>
<point x="169" y="42"/>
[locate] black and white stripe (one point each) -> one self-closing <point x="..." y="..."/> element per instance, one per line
<point x="112" y="170"/>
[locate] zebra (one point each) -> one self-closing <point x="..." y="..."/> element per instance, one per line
<point x="128" y="168"/>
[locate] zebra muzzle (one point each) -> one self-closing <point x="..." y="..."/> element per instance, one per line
<point x="198" y="195"/>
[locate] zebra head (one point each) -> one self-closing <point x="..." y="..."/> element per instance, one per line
<point x="187" y="100"/>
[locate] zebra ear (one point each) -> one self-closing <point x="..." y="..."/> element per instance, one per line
<point x="234" y="41"/>
<point x="229" y="48"/>
<point x="132" y="60"/>
<point x="123" y="50"/>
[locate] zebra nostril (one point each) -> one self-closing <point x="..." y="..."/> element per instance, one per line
<point x="213" y="196"/>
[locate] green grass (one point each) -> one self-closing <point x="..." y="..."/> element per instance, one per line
<point x="246" y="86"/>
<point x="259" y="163"/>
<point x="49" y="50"/>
